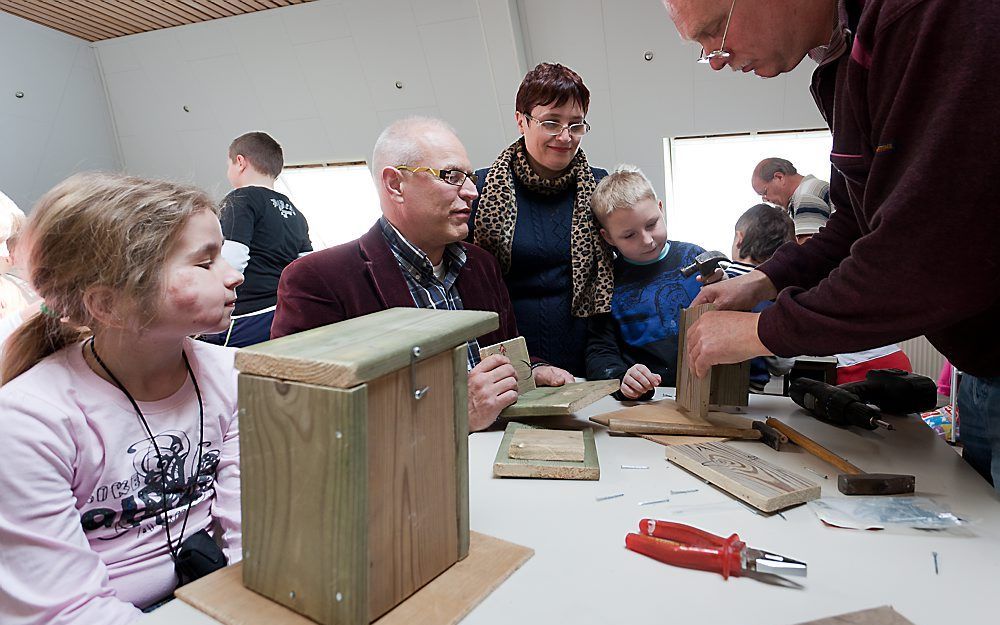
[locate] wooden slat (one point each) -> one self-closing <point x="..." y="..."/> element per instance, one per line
<point x="667" y="411"/>
<point x="460" y="360"/>
<point x="303" y="460"/>
<point x="74" y="13"/>
<point x="354" y="351"/>
<point x="744" y="476"/>
<point x="412" y="499"/>
<point x="516" y="350"/>
<point x="559" y="400"/>
<point x="84" y="31"/>
<point x="97" y="20"/>
<point x="692" y="392"/>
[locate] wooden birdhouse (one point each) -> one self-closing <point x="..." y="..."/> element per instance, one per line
<point x="354" y="460"/>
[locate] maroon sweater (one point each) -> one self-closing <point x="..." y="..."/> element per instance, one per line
<point x="913" y="245"/>
<point x="363" y="277"/>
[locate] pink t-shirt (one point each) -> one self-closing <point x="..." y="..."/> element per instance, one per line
<point x="81" y="540"/>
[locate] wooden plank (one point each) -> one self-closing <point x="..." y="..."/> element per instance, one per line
<point x="412" y="500"/>
<point x="505" y="466"/>
<point x="303" y="460"/>
<point x="559" y="400"/>
<point x="746" y="477"/>
<point x="884" y="615"/>
<point x="460" y="366"/>
<point x="539" y="444"/>
<point x="444" y="601"/>
<point x="517" y="351"/>
<point x="668" y="412"/>
<point x="692" y="392"/>
<point x="357" y="350"/>
<point x="628" y="426"/>
<point x="730" y="385"/>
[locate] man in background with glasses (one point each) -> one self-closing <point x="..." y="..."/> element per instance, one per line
<point x="414" y="256"/>
<point x="912" y="246"/>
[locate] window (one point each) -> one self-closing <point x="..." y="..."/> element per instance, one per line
<point x="708" y="179"/>
<point x="338" y="200"/>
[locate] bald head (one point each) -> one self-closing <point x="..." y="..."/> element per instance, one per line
<point x="405" y="142"/>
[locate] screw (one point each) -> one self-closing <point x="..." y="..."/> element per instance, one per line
<point x="399" y="84"/>
<point x="18" y="94"/>
<point x="416" y="350"/>
<point x="187" y="109"/>
<point x="648" y="55"/>
<point x="291" y="595"/>
<point x="340" y="597"/>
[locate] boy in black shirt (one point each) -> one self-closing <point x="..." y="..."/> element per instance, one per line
<point x="263" y="232"/>
<point x="637" y="341"/>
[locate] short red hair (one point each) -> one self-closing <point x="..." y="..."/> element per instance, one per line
<point x="551" y="83"/>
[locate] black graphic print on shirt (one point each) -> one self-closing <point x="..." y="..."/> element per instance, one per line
<point x="118" y="507"/>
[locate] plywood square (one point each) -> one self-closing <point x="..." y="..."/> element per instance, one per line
<point x="884" y="615"/>
<point x="730" y="385"/>
<point x="517" y="350"/>
<point x="505" y="466"/>
<point x="667" y="411"/>
<point x="446" y="600"/>
<point x="692" y="392"/>
<point x="559" y="400"/>
<point x="744" y="476"/>
<point x="538" y="444"/>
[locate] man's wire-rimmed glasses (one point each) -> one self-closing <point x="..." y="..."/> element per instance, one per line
<point x="451" y="176"/>
<point x="708" y="57"/>
<point x="554" y="128"/>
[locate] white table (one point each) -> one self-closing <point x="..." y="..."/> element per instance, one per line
<point x="581" y="572"/>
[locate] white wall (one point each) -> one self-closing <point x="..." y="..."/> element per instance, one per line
<point x="321" y="78"/>
<point x="62" y="124"/>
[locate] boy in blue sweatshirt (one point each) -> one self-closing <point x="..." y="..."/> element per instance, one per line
<point x="637" y="341"/>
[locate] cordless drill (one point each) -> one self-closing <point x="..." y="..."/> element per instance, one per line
<point x="892" y="390"/>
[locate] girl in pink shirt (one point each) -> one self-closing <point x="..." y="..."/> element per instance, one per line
<point x="119" y="432"/>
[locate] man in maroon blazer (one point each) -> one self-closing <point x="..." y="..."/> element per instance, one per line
<point x="415" y="255"/>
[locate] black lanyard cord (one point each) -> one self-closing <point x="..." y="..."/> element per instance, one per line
<point x="159" y="456"/>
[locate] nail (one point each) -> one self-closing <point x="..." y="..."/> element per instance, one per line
<point x="634" y="466"/>
<point x="683" y="492"/>
<point x="606" y="497"/>
<point x="651" y="502"/>
<point x="814" y="472"/>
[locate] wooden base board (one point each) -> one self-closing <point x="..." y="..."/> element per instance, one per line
<point x="505" y="466"/>
<point x="667" y="411"/>
<point x="559" y="400"/>
<point x="884" y="615"/>
<point x="759" y="483"/>
<point x="443" y="601"/>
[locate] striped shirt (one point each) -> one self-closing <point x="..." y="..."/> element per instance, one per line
<point x="427" y="289"/>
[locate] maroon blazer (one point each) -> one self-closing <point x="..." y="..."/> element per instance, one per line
<point x="363" y="277"/>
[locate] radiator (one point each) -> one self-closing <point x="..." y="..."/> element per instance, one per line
<point x="925" y="359"/>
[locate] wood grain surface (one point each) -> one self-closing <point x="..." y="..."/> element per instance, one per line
<point x="730" y="385"/>
<point x="443" y="601"/>
<point x="540" y="444"/>
<point x="357" y="350"/>
<point x="692" y="392"/>
<point x="746" y="477"/>
<point x="667" y="411"/>
<point x="884" y="615"/>
<point x="517" y="351"/>
<point x="559" y="400"/>
<point x="505" y="466"/>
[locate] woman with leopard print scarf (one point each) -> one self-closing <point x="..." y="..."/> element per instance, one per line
<point x="534" y="215"/>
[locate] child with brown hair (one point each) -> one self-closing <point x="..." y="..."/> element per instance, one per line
<point x="120" y="433"/>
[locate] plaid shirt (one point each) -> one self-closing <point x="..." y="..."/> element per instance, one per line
<point x="426" y="289"/>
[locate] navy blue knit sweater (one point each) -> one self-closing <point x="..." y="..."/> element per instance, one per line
<point x="540" y="279"/>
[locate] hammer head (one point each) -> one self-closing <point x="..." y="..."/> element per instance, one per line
<point x="875" y="484"/>
<point x="769" y="436"/>
<point x="706" y="263"/>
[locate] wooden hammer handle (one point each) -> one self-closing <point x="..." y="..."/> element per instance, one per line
<point x="813" y="447"/>
<point x="680" y="429"/>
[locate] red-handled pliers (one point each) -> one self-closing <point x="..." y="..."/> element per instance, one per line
<point x="690" y="547"/>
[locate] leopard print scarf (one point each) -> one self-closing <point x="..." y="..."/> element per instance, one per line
<point x="593" y="280"/>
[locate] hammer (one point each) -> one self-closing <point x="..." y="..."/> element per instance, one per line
<point x="853" y="481"/>
<point x="706" y="263"/>
<point x="759" y="431"/>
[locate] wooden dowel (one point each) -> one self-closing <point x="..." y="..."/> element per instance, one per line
<point x="681" y="429"/>
<point x="813" y="447"/>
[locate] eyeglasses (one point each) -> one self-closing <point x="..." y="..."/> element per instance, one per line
<point x="455" y="177"/>
<point x="708" y="57"/>
<point x="554" y="128"/>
